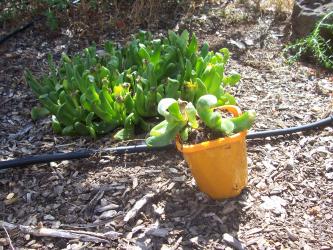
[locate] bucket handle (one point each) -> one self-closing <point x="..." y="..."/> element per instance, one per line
<point x="234" y="110"/>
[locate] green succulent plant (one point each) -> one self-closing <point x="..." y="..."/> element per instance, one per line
<point x="96" y="92"/>
<point x="180" y="117"/>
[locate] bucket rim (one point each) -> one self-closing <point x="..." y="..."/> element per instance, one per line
<point x="191" y="148"/>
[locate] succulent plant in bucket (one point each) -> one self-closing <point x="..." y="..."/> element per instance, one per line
<point x="218" y="165"/>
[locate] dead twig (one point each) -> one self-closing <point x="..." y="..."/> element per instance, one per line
<point x="176" y="245"/>
<point x="10" y="241"/>
<point x="5" y="101"/>
<point x="90" y="225"/>
<point x="138" y="205"/>
<point x="89" y="209"/>
<point x="60" y="233"/>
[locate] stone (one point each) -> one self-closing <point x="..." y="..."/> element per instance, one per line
<point x="306" y="13"/>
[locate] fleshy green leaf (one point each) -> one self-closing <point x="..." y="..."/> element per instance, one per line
<point x="227" y="126"/>
<point x="204" y="50"/>
<point x="244" y="121"/>
<point x="169" y="108"/>
<point x="191" y="113"/>
<point x="39" y="112"/>
<point x="184" y="134"/>
<point x="231" y="80"/>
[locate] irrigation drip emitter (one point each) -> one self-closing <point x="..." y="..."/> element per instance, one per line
<point x="86" y="153"/>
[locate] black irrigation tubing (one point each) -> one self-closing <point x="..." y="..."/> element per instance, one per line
<point x="80" y="154"/>
<point x="24" y="27"/>
<point x="86" y="153"/>
<point x="285" y="131"/>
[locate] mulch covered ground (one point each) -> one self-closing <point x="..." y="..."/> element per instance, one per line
<point x="150" y="200"/>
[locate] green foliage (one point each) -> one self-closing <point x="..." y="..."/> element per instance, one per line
<point x="176" y="119"/>
<point x="180" y="117"/>
<point x="51" y="20"/>
<point x="315" y="44"/>
<point x="58" y="4"/>
<point x="214" y="120"/>
<point x="15" y="9"/>
<point x="39" y="112"/>
<point x="94" y="93"/>
<point x="52" y="7"/>
<point x="11" y="8"/>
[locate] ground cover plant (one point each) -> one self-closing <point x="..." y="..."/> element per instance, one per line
<point x="95" y="93"/>
<point x="318" y="45"/>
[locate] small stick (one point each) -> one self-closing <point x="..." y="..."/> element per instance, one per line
<point x="138" y="205"/>
<point x="10" y="241"/>
<point x="67" y="234"/>
<point x="176" y="245"/>
<point x="89" y="209"/>
<point x="5" y="101"/>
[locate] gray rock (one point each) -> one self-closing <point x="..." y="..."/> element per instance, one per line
<point x="306" y="13"/>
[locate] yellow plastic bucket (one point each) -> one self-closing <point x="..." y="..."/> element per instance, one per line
<point x="219" y="166"/>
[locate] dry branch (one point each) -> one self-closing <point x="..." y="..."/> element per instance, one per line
<point x="138" y="205"/>
<point x="9" y="239"/>
<point x="60" y="233"/>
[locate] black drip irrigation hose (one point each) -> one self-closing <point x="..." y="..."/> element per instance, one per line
<point x="81" y="154"/>
<point x="86" y="153"/>
<point x="285" y="131"/>
<point x="24" y="27"/>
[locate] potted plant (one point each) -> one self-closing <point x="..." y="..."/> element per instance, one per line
<point x="214" y="146"/>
